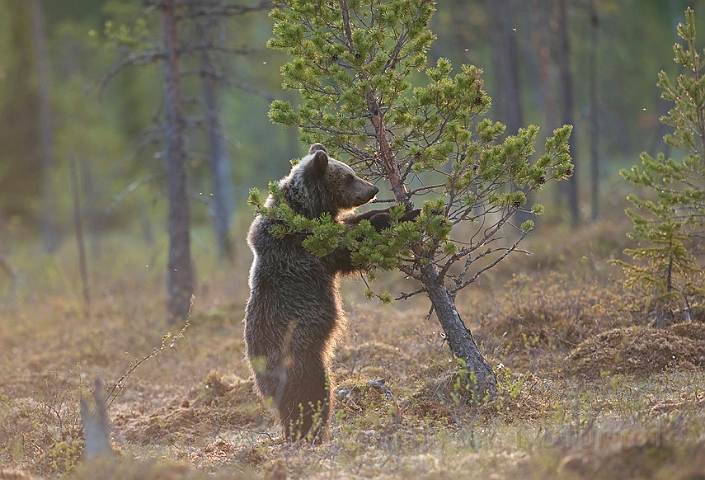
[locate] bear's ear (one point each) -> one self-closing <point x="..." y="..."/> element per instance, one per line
<point x="316" y="147"/>
<point x="319" y="163"/>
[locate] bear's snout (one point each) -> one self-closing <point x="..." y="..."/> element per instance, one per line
<point x="362" y="196"/>
<point x="369" y="195"/>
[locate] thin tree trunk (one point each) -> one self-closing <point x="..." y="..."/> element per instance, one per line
<point x="145" y="223"/>
<point x="180" y="281"/>
<point x="594" y="107"/>
<point x="567" y="105"/>
<point x="78" y="226"/>
<point x="45" y="127"/>
<point x="92" y="196"/>
<point x="221" y="173"/>
<point x="387" y="155"/>
<point x="460" y="339"/>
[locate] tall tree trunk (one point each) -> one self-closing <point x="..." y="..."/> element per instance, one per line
<point x="567" y="104"/>
<point x="543" y="18"/>
<point x="541" y="36"/>
<point x="594" y="110"/>
<point x="218" y="160"/>
<point x="45" y="126"/>
<point x="505" y="59"/>
<point x="20" y="136"/>
<point x="180" y="278"/>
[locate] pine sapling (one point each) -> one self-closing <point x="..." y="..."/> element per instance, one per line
<point x="353" y="62"/>
<point x="668" y="223"/>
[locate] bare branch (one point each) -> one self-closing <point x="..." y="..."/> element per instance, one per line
<point x="131" y="59"/>
<point x="428" y="187"/>
<point x="205" y="8"/>
<point x="212" y="47"/>
<point x="509" y="250"/>
<point x="210" y="8"/>
<point x="130" y="188"/>
<point x="404" y="296"/>
<point x="120" y="384"/>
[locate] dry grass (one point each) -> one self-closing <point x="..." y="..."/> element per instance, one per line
<point x="587" y="390"/>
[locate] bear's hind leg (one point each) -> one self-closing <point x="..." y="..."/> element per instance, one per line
<point x="304" y="406"/>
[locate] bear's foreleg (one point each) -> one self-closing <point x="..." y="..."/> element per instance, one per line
<point x="380" y="219"/>
<point x="339" y="260"/>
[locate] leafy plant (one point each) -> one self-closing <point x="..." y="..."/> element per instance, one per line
<point x="353" y="63"/>
<point x="669" y="228"/>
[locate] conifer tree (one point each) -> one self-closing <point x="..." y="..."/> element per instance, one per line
<point x="668" y="228"/>
<point x="353" y="62"/>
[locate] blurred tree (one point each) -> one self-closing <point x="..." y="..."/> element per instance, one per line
<point x="45" y="126"/>
<point x="540" y="21"/>
<point x="351" y="63"/>
<point x="197" y="47"/>
<point x="20" y="140"/>
<point x="567" y="102"/>
<point x="204" y="38"/>
<point x="218" y="159"/>
<point x="210" y="40"/>
<point x="78" y="229"/>
<point x="505" y="58"/>
<point x="180" y="277"/>
<point x="594" y="111"/>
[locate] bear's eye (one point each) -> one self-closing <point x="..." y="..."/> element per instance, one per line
<point x="350" y="178"/>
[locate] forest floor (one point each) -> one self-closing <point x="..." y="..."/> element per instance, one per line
<point x="588" y="389"/>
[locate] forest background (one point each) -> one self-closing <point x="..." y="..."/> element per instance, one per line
<point x="108" y="119"/>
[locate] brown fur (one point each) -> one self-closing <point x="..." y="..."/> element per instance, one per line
<point x="294" y="313"/>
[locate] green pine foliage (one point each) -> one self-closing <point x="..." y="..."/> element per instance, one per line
<point x="361" y="69"/>
<point x="669" y="222"/>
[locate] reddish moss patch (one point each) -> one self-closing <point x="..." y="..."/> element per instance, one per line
<point x="551" y="314"/>
<point x="636" y="350"/>
<point x="693" y="330"/>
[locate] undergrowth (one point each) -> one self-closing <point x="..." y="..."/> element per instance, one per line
<point x="589" y="386"/>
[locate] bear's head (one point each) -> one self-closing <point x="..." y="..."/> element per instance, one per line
<point x="320" y="184"/>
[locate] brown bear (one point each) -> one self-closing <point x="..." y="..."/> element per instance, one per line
<point x="294" y="313"/>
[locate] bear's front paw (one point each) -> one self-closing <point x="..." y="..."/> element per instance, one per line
<point x="383" y="220"/>
<point x="410" y="215"/>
